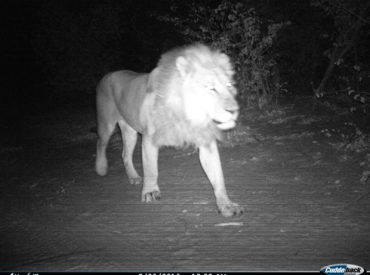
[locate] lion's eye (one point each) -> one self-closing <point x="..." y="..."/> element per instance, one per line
<point x="213" y="90"/>
<point x="210" y="87"/>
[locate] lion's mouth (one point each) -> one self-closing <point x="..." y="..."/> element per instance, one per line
<point x="225" y="125"/>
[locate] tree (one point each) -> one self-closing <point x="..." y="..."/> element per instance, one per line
<point x="350" y="18"/>
<point x="236" y="29"/>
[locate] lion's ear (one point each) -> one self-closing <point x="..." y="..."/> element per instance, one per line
<point x="182" y="65"/>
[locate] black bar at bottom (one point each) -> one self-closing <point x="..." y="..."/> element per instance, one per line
<point x="155" y="272"/>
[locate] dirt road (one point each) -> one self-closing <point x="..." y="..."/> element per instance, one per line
<point x="305" y="193"/>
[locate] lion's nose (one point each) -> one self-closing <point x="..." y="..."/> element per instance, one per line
<point x="233" y="108"/>
<point x="234" y="112"/>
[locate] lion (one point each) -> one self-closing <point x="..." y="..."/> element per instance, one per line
<point x="188" y="99"/>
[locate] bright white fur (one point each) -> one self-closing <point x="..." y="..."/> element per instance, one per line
<point x="188" y="99"/>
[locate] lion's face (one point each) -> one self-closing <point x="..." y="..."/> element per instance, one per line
<point x="209" y="95"/>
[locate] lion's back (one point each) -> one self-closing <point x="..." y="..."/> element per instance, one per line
<point x="116" y="80"/>
<point x="123" y="93"/>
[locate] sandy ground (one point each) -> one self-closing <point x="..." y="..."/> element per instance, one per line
<point x="302" y="179"/>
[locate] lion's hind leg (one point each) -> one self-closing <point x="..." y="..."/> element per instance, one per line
<point x="105" y="130"/>
<point x="129" y="138"/>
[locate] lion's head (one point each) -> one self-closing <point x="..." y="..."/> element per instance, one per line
<point x="194" y="96"/>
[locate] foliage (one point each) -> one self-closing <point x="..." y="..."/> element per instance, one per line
<point x="347" y="75"/>
<point x="237" y="30"/>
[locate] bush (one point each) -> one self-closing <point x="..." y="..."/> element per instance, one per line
<point x="238" y="31"/>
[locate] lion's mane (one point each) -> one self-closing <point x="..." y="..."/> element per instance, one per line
<point x="169" y="123"/>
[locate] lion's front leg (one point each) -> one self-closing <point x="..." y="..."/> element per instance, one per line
<point x="210" y="160"/>
<point x="150" y="166"/>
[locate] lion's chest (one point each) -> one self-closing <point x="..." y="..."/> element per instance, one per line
<point x="178" y="133"/>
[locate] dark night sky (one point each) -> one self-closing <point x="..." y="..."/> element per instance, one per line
<point x="28" y="41"/>
<point x="27" y="35"/>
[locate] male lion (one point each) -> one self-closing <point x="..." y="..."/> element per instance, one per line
<point x="186" y="100"/>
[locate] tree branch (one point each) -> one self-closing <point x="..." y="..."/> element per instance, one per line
<point x="339" y="52"/>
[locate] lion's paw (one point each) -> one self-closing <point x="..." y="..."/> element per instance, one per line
<point x="136" y="180"/>
<point x="230" y="210"/>
<point x="101" y="169"/>
<point x="151" y="196"/>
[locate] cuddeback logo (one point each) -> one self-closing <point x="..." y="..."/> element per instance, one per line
<point x="343" y="269"/>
